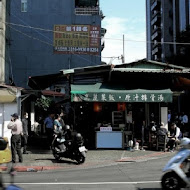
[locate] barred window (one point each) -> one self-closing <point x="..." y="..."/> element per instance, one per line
<point x="23" y="5"/>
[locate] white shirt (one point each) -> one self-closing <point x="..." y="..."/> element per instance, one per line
<point x="177" y="132"/>
<point x="15" y="126"/>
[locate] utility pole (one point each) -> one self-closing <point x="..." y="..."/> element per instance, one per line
<point x="123" y="56"/>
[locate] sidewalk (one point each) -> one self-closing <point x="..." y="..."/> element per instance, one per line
<point x="40" y="160"/>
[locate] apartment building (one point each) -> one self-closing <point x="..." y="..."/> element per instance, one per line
<point x="165" y="19"/>
<point x="48" y="36"/>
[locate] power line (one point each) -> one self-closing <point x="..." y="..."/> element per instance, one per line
<point x="81" y="35"/>
<point x="34" y="38"/>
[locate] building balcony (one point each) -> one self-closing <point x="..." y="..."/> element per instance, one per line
<point x="156" y="45"/>
<point x="156" y="20"/>
<point x="156" y="51"/>
<point x="156" y="28"/>
<point x="103" y="31"/>
<point x="156" y="13"/>
<point x="87" y="11"/>
<point x="155" y="5"/>
<point x="156" y="36"/>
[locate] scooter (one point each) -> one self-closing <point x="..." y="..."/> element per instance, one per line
<point x="72" y="149"/>
<point x="177" y="170"/>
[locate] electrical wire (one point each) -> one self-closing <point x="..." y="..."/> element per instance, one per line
<point x="34" y="38"/>
<point x="81" y="35"/>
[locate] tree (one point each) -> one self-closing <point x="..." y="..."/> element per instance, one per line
<point x="43" y="103"/>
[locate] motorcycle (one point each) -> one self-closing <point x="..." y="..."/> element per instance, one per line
<point x="66" y="148"/>
<point x="177" y="170"/>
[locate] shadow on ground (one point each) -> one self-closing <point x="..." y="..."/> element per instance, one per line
<point x="57" y="161"/>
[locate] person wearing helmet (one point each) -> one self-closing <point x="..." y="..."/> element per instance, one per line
<point x="68" y="135"/>
<point x="185" y="143"/>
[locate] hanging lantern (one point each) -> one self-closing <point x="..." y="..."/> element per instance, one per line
<point x="97" y="107"/>
<point x="121" y="106"/>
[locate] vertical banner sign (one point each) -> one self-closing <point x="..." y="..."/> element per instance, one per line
<point x="77" y="39"/>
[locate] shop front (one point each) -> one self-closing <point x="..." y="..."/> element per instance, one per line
<point x="111" y="114"/>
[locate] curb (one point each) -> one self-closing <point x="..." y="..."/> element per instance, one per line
<point x="31" y="168"/>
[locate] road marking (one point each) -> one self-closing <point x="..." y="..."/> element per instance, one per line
<point x="90" y="183"/>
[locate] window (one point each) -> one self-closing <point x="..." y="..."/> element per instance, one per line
<point x="23" y="5"/>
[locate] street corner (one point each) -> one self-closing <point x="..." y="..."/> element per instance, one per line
<point x="145" y="157"/>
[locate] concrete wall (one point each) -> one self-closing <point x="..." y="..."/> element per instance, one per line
<point x="6" y="110"/>
<point x="3" y="73"/>
<point x="32" y="49"/>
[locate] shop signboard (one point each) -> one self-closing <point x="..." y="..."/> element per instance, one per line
<point x="111" y="97"/>
<point x="99" y="93"/>
<point x="77" y="39"/>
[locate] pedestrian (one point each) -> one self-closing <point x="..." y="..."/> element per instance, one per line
<point x="184" y="122"/>
<point x="62" y="115"/>
<point x="175" y="137"/>
<point x="49" y="127"/>
<point x="57" y="123"/>
<point x="16" y="129"/>
<point x="25" y="132"/>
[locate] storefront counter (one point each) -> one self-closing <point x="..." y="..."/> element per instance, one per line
<point x="109" y="139"/>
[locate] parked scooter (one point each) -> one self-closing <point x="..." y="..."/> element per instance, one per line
<point x="177" y="170"/>
<point x="72" y="148"/>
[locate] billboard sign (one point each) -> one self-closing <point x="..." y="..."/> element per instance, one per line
<point x="77" y="39"/>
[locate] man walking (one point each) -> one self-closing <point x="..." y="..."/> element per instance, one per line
<point x="49" y="126"/>
<point x="25" y="131"/>
<point x="16" y="129"/>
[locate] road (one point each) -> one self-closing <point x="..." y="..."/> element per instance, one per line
<point x="131" y="175"/>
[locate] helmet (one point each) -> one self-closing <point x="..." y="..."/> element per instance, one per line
<point x="67" y="127"/>
<point x="185" y="142"/>
<point x="78" y="136"/>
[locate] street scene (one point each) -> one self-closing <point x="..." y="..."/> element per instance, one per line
<point x="107" y="169"/>
<point x="95" y="94"/>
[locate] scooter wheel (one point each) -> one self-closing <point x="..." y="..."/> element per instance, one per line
<point x="80" y="159"/>
<point x="57" y="156"/>
<point x="171" y="181"/>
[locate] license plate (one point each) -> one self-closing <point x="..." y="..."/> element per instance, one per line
<point x="82" y="149"/>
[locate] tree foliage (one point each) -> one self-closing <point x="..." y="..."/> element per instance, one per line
<point x="43" y="103"/>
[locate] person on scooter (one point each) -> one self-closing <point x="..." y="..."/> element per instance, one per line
<point x="175" y="137"/>
<point x="58" y="129"/>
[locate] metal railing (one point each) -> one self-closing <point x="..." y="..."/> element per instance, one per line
<point x="87" y="11"/>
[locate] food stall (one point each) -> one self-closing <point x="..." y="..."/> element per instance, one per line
<point x="115" y="128"/>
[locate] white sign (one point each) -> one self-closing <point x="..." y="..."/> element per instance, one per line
<point x="105" y="128"/>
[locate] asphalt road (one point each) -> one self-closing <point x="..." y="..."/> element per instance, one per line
<point x="131" y="175"/>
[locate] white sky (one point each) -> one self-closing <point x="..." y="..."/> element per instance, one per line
<point x="125" y="18"/>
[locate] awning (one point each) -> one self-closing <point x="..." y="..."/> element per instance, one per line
<point x="114" y="93"/>
<point x="7" y="95"/>
<point x="43" y="81"/>
<point x="52" y="93"/>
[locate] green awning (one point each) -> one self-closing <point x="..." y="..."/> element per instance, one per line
<point x="115" y="93"/>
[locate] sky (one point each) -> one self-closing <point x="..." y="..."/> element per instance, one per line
<point x="124" y="18"/>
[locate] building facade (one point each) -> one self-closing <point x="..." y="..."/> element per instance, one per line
<point x="165" y="19"/>
<point x="49" y="36"/>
